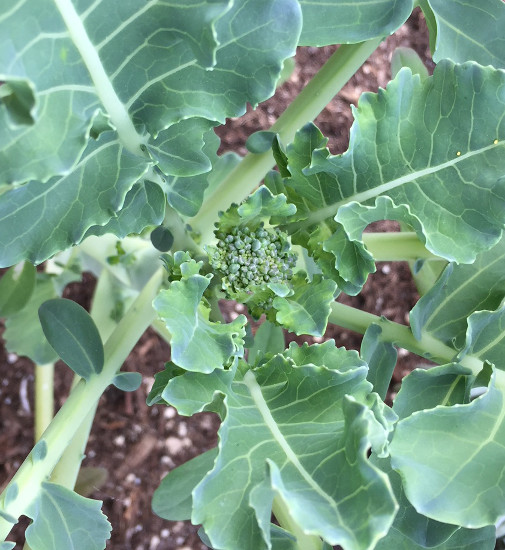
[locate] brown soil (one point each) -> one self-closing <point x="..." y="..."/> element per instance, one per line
<point x="136" y="444"/>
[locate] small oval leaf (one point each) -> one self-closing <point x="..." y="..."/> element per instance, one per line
<point x="162" y="239"/>
<point x="127" y="381"/>
<point x="260" y="142"/>
<point x="72" y="333"/>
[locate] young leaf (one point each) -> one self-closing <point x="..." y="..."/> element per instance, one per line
<point x="16" y="287"/>
<point x="63" y="519"/>
<point x="306" y="311"/>
<point x="127" y="381"/>
<point x="457" y="449"/>
<point x="173" y="499"/>
<point x="381" y="359"/>
<point x="407" y="57"/>
<point x="198" y="344"/>
<point x="72" y="333"/>
<point x="269" y="338"/>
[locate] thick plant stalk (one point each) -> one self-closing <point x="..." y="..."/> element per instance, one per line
<point x="247" y="175"/>
<point x="81" y="401"/>
<point x="303" y="541"/>
<point x="397" y="247"/>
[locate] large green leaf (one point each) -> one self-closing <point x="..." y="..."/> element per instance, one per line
<point x="71" y="73"/>
<point x="72" y="333"/>
<point x="462" y="289"/>
<point x="274" y="440"/>
<point x="329" y="22"/>
<point x="64" y="519"/>
<point x="426" y="152"/>
<point x="449" y="457"/>
<point x="468" y="30"/>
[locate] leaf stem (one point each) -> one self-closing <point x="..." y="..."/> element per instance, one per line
<point x="247" y="175"/>
<point x="113" y="105"/>
<point x="397" y="247"/>
<point x="428" y="347"/>
<point x="303" y="541"/>
<point x="44" y="398"/>
<point x="26" y="482"/>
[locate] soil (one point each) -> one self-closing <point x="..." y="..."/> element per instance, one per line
<point x="137" y="445"/>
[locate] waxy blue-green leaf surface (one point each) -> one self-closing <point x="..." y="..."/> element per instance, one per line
<point x="16" y="287"/>
<point x="298" y="420"/>
<point x="23" y="334"/>
<point x="434" y="149"/>
<point x="468" y="30"/>
<point x="380" y="356"/>
<point x="64" y="519"/>
<point x="148" y="67"/>
<point x="329" y="22"/>
<point x="462" y="289"/>
<point x="413" y="531"/>
<point x="74" y="336"/>
<point x="449" y="457"/>
<point x="198" y="344"/>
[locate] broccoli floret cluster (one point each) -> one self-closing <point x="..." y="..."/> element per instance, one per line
<point x="252" y="258"/>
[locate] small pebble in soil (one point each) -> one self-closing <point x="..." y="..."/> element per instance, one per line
<point x="169" y="412"/>
<point x="119" y="440"/>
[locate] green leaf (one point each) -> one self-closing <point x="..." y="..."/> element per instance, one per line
<point x="162" y="238"/>
<point x="306" y="311"/>
<point x="407" y="57"/>
<point x="380" y="356"/>
<point x="269" y="338"/>
<point x="442" y="173"/>
<point x="485" y="337"/>
<point x="72" y="333"/>
<point x="63" y="519"/>
<point x="426" y="388"/>
<point x="198" y="344"/>
<point x="127" y="381"/>
<point x="7" y="545"/>
<point x="16" y="287"/>
<point x="329" y="22"/>
<point x="448" y="456"/>
<point x="23" y="334"/>
<point x="260" y="142"/>
<point x="260" y="206"/>
<point x="462" y="289"/>
<point x="314" y="454"/>
<point x="39" y="219"/>
<point x="468" y="31"/>
<point x="144" y="205"/>
<point x="413" y="531"/>
<point x="173" y="499"/>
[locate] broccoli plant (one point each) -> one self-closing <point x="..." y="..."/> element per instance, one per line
<point x="109" y="164"/>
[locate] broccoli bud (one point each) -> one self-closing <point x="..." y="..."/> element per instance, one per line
<point x="250" y="259"/>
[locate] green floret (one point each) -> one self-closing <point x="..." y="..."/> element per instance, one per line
<point x="250" y="260"/>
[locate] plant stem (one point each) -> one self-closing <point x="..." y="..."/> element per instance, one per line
<point x="44" y="398"/>
<point x="81" y="401"/>
<point x="400" y="335"/>
<point x="306" y="106"/>
<point x="392" y="246"/>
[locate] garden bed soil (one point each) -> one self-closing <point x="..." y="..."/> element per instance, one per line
<point x="137" y="445"/>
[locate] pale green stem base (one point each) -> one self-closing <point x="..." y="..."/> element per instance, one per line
<point x="44" y="398"/>
<point x="308" y="104"/>
<point x="81" y="401"/>
<point x="397" y="247"/>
